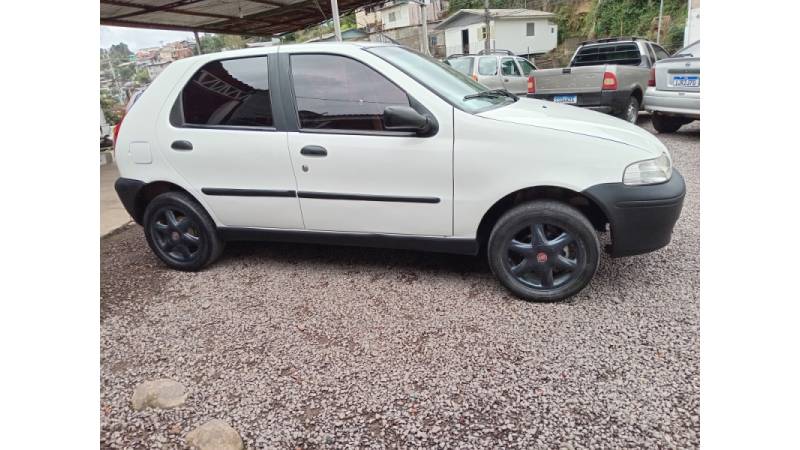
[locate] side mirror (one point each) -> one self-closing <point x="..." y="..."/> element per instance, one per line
<point x="405" y="118"/>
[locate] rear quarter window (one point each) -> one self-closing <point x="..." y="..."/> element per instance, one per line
<point x="229" y="92"/>
<point x="593" y="55"/>
<point x="463" y="65"/>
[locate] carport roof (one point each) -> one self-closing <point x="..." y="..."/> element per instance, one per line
<point x="248" y="17"/>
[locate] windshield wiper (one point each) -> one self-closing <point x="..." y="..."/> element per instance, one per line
<point x="492" y="93"/>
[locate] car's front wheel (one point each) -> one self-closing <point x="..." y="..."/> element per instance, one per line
<point x="544" y="250"/>
<point x="180" y="232"/>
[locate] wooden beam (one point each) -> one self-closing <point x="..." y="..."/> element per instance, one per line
<point x="146" y="8"/>
<point x="161" y="26"/>
<point x="149" y="9"/>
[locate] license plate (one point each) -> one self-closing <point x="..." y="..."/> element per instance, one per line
<point x="565" y="99"/>
<point x="686" y="81"/>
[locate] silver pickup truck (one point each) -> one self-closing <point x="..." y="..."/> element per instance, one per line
<point x="607" y="75"/>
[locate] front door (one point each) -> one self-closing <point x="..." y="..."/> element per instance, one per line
<point x="221" y="138"/>
<point x="353" y="175"/>
<point x="465" y="41"/>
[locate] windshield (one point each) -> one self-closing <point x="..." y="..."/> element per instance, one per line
<point x="445" y="81"/>
<point x="692" y="51"/>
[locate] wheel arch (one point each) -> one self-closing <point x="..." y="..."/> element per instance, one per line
<point x="150" y="191"/>
<point x="586" y="205"/>
<point x="638" y="94"/>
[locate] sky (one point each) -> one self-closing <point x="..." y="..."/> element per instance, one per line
<point x="138" y="38"/>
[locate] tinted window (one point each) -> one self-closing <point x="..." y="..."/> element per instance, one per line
<point x="334" y="92"/>
<point x="627" y="54"/>
<point x="232" y="92"/>
<point x="660" y="53"/>
<point x="463" y="65"/>
<point x="487" y="66"/>
<point x="509" y="68"/>
<point x="526" y="66"/>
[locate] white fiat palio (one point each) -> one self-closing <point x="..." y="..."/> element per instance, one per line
<point x="378" y="145"/>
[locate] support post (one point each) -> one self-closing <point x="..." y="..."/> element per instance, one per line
<point x="424" y="13"/>
<point x="660" y="13"/>
<point x="337" y="29"/>
<point x="197" y="43"/>
<point x="487" y="46"/>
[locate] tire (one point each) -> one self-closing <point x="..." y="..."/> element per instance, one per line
<point x="631" y="111"/>
<point x="180" y="232"/>
<point x="540" y="236"/>
<point x="667" y="124"/>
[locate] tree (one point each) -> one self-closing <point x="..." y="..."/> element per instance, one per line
<point x="142" y="77"/>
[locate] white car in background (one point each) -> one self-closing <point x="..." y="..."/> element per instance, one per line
<point x="674" y="99"/>
<point x="377" y="145"/>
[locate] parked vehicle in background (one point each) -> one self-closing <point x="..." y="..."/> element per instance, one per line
<point x="606" y="75"/>
<point x="674" y="100"/>
<point x="378" y="145"/>
<point x="499" y="69"/>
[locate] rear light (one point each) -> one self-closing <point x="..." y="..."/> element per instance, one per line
<point x="652" y="80"/>
<point x="115" y="130"/>
<point x="609" y="81"/>
<point x="531" y="84"/>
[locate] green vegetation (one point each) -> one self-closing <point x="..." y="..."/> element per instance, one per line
<point x="623" y="18"/>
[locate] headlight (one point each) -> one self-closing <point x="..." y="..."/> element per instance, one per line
<point x="650" y="171"/>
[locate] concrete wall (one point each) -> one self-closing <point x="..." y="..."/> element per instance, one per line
<point x="507" y="34"/>
<point x="405" y="14"/>
<point x="511" y="35"/>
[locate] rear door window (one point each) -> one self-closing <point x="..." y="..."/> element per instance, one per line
<point x="229" y="92"/>
<point x="487" y="66"/>
<point x="592" y="55"/>
<point x="509" y="68"/>
<point x="526" y="66"/>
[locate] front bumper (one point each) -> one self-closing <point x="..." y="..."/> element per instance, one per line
<point x="641" y="217"/>
<point x="610" y="102"/>
<point x="673" y="102"/>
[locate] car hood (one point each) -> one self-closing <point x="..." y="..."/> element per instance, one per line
<point x="572" y="119"/>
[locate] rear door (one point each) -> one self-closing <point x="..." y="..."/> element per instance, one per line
<point x="513" y="80"/>
<point x="353" y="175"/>
<point x="220" y="136"/>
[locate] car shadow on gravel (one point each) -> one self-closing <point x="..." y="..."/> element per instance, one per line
<point x="368" y="258"/>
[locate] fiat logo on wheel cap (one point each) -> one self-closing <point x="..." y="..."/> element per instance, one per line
<point x="541" y="257"/>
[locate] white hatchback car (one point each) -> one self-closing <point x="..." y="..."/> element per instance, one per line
<point x="377" y="145"/>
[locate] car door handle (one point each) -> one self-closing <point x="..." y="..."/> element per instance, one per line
<point x="181" y="145"/>
<point x="313" y="150"/>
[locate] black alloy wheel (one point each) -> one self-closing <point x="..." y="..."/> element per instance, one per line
<point x="176" y="235"/>
<point x="544" y="250"/>
<point x="180" y="232"/>
<point x="544" y="256"/>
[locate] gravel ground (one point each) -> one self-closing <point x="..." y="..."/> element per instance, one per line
<point x="313" y="346"/>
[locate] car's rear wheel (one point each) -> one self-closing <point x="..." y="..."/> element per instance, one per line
<point x="180" y="232"/>
<point x="544" y="250"/>
<point x="667" y="124"/>
<point x="631" y="112"/>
